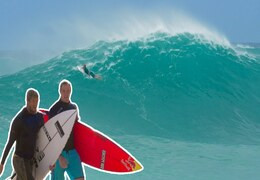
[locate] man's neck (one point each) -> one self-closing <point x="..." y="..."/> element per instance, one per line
<point x="30" y="112"/>
<point x="64" y="101"/>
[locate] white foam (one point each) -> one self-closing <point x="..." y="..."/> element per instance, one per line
<point x="244" y="46"/>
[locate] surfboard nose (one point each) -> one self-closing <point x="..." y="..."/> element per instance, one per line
<point x="137" y="167"/>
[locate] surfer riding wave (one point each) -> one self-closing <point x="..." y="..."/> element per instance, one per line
<point x="90" y="73"/>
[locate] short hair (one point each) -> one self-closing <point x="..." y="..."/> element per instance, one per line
<point x="31" y="93"/>
<point x="64" y="82"/>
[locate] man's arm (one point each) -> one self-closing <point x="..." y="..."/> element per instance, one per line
<point x="63" y="162"/>
<point x="1" y="169"/>
<point x="53" y="111"/>
<point x="9" y="144"/>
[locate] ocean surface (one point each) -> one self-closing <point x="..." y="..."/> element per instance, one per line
<point x="186" y="106"/>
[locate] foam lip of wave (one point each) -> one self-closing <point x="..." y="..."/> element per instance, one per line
<point x="203" y="35"/>
<point x="244" y="46"/>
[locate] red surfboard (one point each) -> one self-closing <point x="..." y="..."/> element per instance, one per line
<point x="100" y="152"/>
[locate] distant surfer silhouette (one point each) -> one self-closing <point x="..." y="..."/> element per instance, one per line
<point x="90" y="73"/>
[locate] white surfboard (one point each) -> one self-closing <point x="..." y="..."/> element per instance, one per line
<point x="51" y="140"/>
<point x="80" y="68"/>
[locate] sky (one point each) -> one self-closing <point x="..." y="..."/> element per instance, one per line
<point x="33" y="24"/>
<point x="34" y="30"/>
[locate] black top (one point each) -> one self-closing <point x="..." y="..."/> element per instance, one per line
<point x="88" y="72"/>
<point x="57" y="108"/>
<point x="24" y="129"/>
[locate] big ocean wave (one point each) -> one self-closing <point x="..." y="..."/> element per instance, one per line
<point x="183" y="86"/>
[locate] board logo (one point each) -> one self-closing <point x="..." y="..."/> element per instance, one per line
<point x="103" y="159"/>
<point x="46" y="133"/>
<point x="128" y="163"/>
<point x="35" y="163"/>
<point x="40" y="156"/>
<point x="59" y="129"/>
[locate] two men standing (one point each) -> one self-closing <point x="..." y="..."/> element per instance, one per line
<point x="24" y="129"/>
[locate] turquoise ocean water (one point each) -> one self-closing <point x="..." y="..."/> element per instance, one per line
<point x="185" y="106"/>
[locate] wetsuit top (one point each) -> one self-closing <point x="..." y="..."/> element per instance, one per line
<point x="57" y="108"/>
<point x="88" y="72"/>
<point x="24" y="129"/>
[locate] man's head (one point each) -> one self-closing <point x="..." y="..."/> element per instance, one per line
<point x="65" y="89"/>
<point x="32" y="100"/>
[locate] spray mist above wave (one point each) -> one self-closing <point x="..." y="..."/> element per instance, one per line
<point x="135" y="26"/>
<point x="81" y="31"/>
